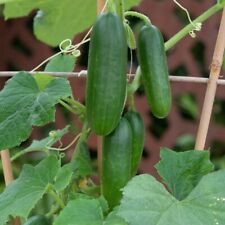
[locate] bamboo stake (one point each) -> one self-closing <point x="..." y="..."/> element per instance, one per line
<point x="211" y="87"/>
<point x="7" y="167"/>
<point x="100" y="6"/>
<point x="8" y="174"/>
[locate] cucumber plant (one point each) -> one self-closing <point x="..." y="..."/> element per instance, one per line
<point x="193" y="193"/>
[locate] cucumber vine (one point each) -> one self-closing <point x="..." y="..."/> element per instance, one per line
<point x="117" y="198"/>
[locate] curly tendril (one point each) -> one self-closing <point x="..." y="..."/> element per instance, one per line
<point x="196" y="26"/>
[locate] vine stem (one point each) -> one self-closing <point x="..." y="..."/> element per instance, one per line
<point x="185" y="31"/>
<point x="211" y="87"/>
<point x="19" y="154"/>
<point x="142" y="17"/>
<point x="57" y="198"/>
<point x="120" y="8"/>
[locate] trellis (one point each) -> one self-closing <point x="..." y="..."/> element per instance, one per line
<point x="211" y="82"/>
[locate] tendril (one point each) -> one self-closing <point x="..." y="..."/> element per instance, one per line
<point x="63" y="149"/>
<point x="196" y="26"/>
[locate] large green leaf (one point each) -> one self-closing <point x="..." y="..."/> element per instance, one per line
<point x="113" y="219"/>
<point x="57" y="21"/>
<point x="146" y="201"/>
<point x="20" y="197"/>
<point x="85" y="211"/>
<point x="23" y="105"/>
<point x="181" y="171"/>
<point x="81" y="212"/>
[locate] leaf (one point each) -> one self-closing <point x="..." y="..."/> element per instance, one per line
<point x="63" y="177"/>
<point x="221" y="2"/>
<point x="81" y="161"/>
<point x="56" y="22"/>
<point x="114" y="219"/>
<point x="20" y="197"/>
<point x="181" y="171"/>
<point x="42" y="80"/>
<point x="41" y="144"/>
<point x="188" y="105"/>
<point x="185" y="142"/>
<point x="146" y="201"/>
<point x="130" y="37"/>
<point x="86" y="211"/>
<point x="79" y="167"/>
<point x="61" y="63"/>
<point x="23" y="105"/>
<point x="102" y="201"/>
<point x="81" y="212"/>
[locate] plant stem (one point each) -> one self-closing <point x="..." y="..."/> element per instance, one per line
<point x="142" y="17"/>
<point x="74" y="107"/>
<point x="119" y="8"/>
<point x="53" y="210"/>
<point x="56" y="197"/>
<point x="19" y="154"/>
<point x="75" y="104"/>
<point x="69" y="108"/>
<point x="131" y="102"/>
<point x="185" y="31"/>
<point x="132" y="88"/>
<point x="84" y="136"/>
<point x="135" y="83"/>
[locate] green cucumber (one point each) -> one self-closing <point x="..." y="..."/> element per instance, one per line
<point x="152" y="59"/>
<point x="138" y="135"/>
<point x="37" y="220"/>
<point x="116" y="162"/>
<point x="106" y="80"/>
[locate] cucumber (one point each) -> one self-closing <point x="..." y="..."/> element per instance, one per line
<point x="138" y="134"/>
<point x="106" y="80"/>
<point x="37" y="220"/>
<point x="116" y="162"/>
<point x="152" y="59"/>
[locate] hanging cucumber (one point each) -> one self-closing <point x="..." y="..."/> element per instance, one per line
<point x="138" y="132"/>
<point x="37" y="220"/>
<point x="116" y="162"/>
<point x="106" y="81"/>
<point x="152" y="59"/>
